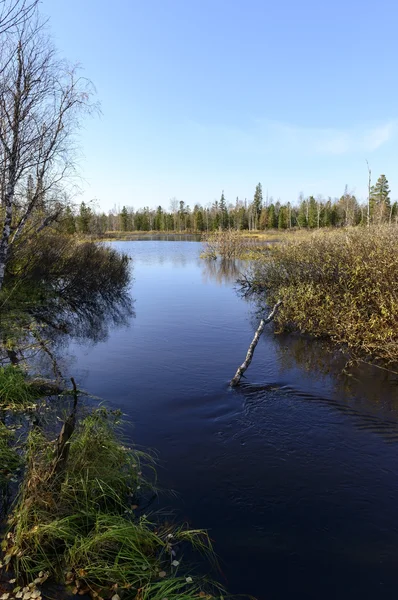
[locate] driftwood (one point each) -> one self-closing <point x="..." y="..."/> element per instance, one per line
<point x="235" y="381"/>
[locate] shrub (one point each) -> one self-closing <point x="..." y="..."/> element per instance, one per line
<point x="342" y="285"/>
<point x="226" y="244"/>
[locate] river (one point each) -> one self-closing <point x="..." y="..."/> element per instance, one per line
<point x="294" y="474"/>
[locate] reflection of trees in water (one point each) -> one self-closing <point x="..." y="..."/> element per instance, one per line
<point x="91" y="324"/>
<point x="321" y="358"/>
<point x="68" y="290"/>
<point x="95" y="319"/>
<point x="365" y="383"/>
<point x="221" y="270"/>
<point x="364" y="394"/>
<point x="166" y="237"/>
<point x="179" y="259"/>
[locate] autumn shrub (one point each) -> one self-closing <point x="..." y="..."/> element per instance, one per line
<point x="227" y="244"/>
<point x="342" y="285"/>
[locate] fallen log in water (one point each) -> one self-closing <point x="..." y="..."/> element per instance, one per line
<point x="235" y="381"/>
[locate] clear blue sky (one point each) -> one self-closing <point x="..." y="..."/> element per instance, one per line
<point x="200" y="96"/>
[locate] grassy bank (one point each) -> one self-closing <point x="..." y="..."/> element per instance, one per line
<point x="79" y="516"/>
<point x="342" y="285"/>
<point x="81" y="524"/>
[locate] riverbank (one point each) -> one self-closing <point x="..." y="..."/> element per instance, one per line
<point x="268" y="235"/>
<point x="80" y="518"/>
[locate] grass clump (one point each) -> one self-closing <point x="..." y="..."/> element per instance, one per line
<point x="342" y="285"/>
<point x="81" y="525"/>
<point x="15" y="391"/>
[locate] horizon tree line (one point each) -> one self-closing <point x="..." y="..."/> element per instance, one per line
<point x="257" y="215"/>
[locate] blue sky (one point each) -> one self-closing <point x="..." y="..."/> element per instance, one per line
<point x="200" y="96"/>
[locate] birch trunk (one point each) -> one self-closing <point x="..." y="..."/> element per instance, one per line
<point x="236" y="379"/>
<point x="5" y="238"/>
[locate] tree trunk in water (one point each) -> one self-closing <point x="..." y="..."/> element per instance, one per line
<point x="235" y="381"/>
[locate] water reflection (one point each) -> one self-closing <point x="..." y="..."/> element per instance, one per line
<point x="221" y="271"/>
<point x="91" y="322"/>
<point x="320" y="358"/>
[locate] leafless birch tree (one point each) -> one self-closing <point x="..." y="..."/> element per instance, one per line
<point x="41" y="101"/>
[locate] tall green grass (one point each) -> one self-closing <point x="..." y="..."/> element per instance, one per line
<point x="82" y="525"/>
<point x="15" y="391"/>
<point x="342" y="285"/>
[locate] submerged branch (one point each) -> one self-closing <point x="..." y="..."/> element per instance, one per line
<point x="236" y="379"/>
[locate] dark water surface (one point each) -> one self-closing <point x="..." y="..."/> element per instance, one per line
<point x="295" y="474"/>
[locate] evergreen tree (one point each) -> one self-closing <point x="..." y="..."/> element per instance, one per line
<point x="159" y="219"/>
<point x="124" y="219"/>
<point x="302" y="214"/>
<point x="104" y="223"/>
<point x="224" y="220"/>
<point x="282" y="218"/>
<point x="200" y="223"/>
<point x="312" y="213"/>
<point x="68" y="222"/>
<point x="380" y="200"/>
<point x="84" y="218"/>
<point x="257" y="204"/>
<point x="272" y="218"/>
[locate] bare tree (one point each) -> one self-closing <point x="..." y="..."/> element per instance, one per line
<point x="13" y="13"/>
<point x="41" y="101"/>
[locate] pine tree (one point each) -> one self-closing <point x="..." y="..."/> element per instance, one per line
<point x="224" y="220"/>
<point x="257" y="204"/>
<point x="84" y="218"/>
<point x="159" y="219"/>
<point x="272" y="219"/>
<point x="312" y="213"/>
<point x="302" y="214"/>
<point x="380" y="200"/>
<point x="124" y="219"/>
<point x="68" y="222"/>
<point x="282" y="218"/>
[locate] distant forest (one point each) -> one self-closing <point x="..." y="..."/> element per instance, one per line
<point x="254" y="215"/>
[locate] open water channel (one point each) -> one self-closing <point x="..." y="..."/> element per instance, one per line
<point x="295" y="473"/>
